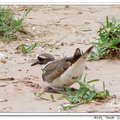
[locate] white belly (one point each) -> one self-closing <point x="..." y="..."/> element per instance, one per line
<point x="68" y="77"/>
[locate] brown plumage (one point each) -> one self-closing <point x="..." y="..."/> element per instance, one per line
<point x="64" y="71"/>
<point x="56" y="68"/>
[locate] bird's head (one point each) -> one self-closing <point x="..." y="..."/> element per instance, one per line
<point x="43" y="59"/>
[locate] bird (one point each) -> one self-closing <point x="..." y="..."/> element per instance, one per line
<point x="64" y="72"/>
<point x="43" y="58"/>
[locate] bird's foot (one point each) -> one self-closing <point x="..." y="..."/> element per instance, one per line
<point x="53" y="90"/>
<point x="59" y="90"/>
<point x="73" y="89"/>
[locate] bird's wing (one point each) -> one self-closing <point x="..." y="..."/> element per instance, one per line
<point x="54" y="70"/>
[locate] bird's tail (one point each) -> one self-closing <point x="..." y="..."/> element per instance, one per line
<point x="86" y="53"/>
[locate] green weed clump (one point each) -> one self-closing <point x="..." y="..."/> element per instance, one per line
<point x="108" y="45"/>
<point x="9" y="25"/>
<point x="26" y="49"/>
<point x="85" y="93"/>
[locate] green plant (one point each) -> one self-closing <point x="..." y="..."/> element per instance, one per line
<point x="9" y="25"/>
<point x="68" y="106"/>
<point x="108" y="45"/>
<point x="26" y="49"/>
<point x="85" y="93"/>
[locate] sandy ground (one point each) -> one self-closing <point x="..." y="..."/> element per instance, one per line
<point x="67" y="28"/>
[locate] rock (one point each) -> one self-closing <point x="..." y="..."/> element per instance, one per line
<point x="80" y="12"/>
<point x="2" y="58"/>
<point x="3" y="100"/>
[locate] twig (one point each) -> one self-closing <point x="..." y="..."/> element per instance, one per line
<point x="4" y="85"/>
<point x="26" y="32"/>
<point x="7" y="79"/>
<point x="61" y="39"/>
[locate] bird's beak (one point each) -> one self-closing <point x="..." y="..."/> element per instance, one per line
<point x="35" y="63"/>
<point x="86" y="53"/>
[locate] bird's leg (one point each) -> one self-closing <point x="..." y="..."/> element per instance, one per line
<point x="73" y="89"/>
<point x="58" y="90"/>
<point x="53" y="90"/>
<point x="48" y="89"/>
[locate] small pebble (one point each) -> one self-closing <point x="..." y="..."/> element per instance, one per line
<point x="80" y="12"/>
<point x="3" y="100"/>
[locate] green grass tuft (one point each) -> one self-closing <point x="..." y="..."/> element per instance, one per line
<point x="26" y="49"/>
<point x="9" y="25"/>
<point x="108" y="45"/>
<point x="85" y="93"/>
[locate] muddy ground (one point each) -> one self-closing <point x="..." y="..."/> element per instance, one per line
<point x="67" y="27"/>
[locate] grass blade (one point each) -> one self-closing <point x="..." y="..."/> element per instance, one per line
<point x="69" y="92"/>
<point x="107" y="21"/>
<point x="103" y="86"/>
<point x="85" y="78"/>
<point x="91" y="81"/>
